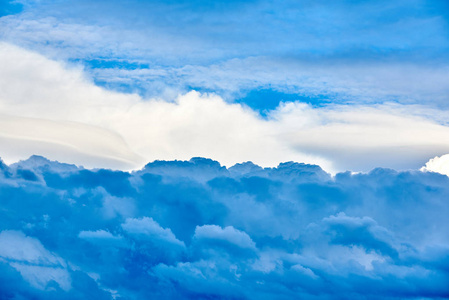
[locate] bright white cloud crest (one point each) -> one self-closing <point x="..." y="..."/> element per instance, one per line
<point x="53" y="109"/>
<point x="439" y="164"/>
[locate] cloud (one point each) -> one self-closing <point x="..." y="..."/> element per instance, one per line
<point x="333" y="80"/>
<point x="36" y="264"/>
<point x="53" y="109"/>
<point x="389" y="26"/>
<point x="147" y="228"/>
<point x="245" y="232"/>
<point x="102" y="237"/>
<point x="396" y="52"/>
<point x="362" y="232"/>
<point x="76" y="142"/>
<point x="228" y="234"/>
<point x="120" y="85"/>
<point x="439" y="164"/>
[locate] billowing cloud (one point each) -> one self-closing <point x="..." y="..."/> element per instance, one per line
<point x="228" y="234"/>
<point x="53" y="109"/>
<point x="147" y="228"/>
<point x="439" y="164"/>
<point x="244" y="232"/>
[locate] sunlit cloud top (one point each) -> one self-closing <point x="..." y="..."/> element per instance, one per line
<point x="346" y="84"/>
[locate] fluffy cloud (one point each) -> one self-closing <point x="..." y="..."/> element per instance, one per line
<point x="51" y="108"/>
<point x="439" y="164"/>
<point x="244" y="233"/>
<point x="148" y="228"/>
<point x="228" y="234"/>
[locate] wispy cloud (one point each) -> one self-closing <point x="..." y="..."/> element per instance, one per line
<point x="356" y="51"/>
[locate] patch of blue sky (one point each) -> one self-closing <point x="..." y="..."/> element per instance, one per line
<point x="265" y="99"/>
<point x="10" y="8"/>
<point x="108" y="63"/>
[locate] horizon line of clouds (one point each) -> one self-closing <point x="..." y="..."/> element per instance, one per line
<point x="438" y="164"/>
<point x="54" y="108"/>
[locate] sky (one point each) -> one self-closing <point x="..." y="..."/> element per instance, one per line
<point x="190" y="149"/>
<point x="348" y="85"/>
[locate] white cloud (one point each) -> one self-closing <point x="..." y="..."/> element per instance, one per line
<point x="193" y="125"/>
<point x="53" y="109"/>
<point x="74" y="142"/>
<point x="359" y="137"/>
<point x="438" y="164"/>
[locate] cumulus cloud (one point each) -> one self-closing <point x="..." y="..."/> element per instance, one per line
<point x="439" y="164"/>
<point x="148" y="228"/>
<point x="53" y="109"/>
<point x="228" y="234"/>
<point x="244" y="232"/>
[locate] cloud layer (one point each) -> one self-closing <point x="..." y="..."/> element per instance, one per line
<point x="54" y="109"/>
<point x="196" y="230"/>
<point x="356" y="51"/>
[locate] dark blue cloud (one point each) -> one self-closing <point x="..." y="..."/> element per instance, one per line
<point x="197" y="230"/>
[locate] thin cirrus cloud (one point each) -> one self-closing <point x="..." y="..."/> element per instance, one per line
<point x="358" y="52"/>
<point x="55" y="110"/>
